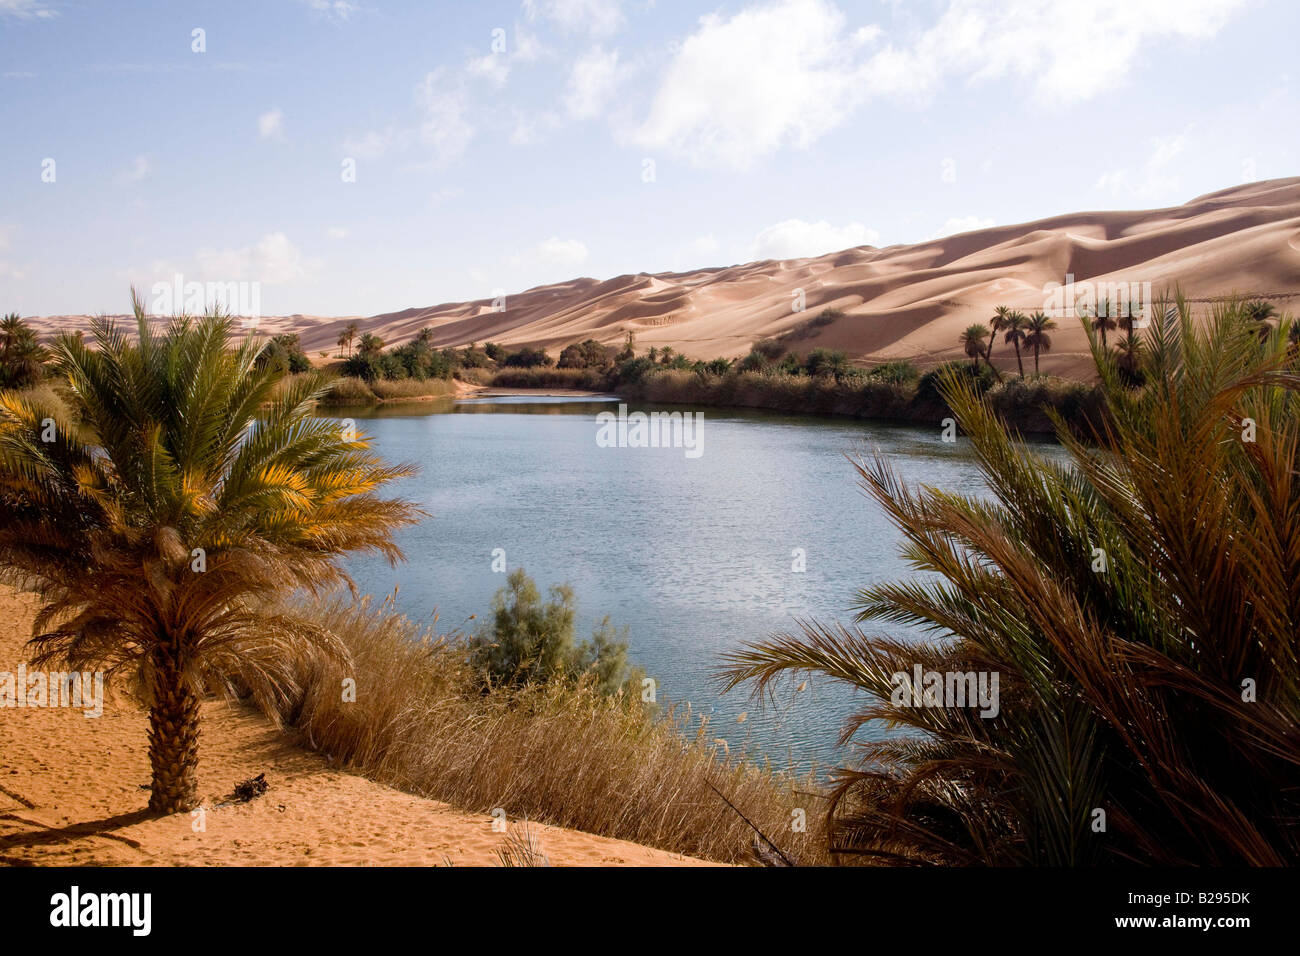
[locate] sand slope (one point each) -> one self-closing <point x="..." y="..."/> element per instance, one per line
<point x="900" y="302"/>
<point x="70" y="794"/>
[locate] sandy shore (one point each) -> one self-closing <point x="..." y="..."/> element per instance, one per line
<point x="73" y="791"/>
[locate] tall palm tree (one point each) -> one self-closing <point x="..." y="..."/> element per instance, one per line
<point x="973" y="340"/>
<point x="1128" y="358"/>
<point x="192" y="490"/>
<point x="22" y="357"/>
<point x="370" y="344"/>
<point x="1036" y="337"/>
<point x="1139" y="606"/>
<point x="342" y="341"/>
<point x="1001" y="316"/>
<point x="1016" y="325"/>
<point x="350" y="330"/>
<point x="1103" y="320"/>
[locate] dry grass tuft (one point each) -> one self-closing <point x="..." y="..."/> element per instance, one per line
<point x="556" y="753"/>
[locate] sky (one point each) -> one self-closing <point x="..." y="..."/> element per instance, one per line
<point x="364" y="156"/>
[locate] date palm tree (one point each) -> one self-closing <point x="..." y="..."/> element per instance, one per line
<point x="188" y="490"/>
<point x="22" y="357"/>
<point x="1139" y="605"/>
<point x="1102" y="320"/>
<point x="1036" y="337"/>
<point x="998" y="324"/>
<point x="1016" y="326"/>
<point x="1258" y="313"/>
<point x="1128" y="358"/>
<point x="350" y="330"/>
<point x="973" y="341"/>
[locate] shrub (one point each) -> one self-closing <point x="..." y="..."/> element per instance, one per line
<point x="895" y="371"/>
<point x="528" y="358"/>
<point x="284" y="353"/>
<point x="928" y="388"/>
<point x="588" y="354"/>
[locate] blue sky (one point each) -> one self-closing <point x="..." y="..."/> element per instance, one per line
<point x="502" y="145"/>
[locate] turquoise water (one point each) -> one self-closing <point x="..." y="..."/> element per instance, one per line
<point x="693" y="555"/>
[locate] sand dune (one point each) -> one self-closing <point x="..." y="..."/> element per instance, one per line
<point x="904" y="301"/>
<point x="71" y="794"/>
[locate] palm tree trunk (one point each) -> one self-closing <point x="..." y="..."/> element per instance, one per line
<point x="1019" y="364"/>
<point x="173" y="736"/>
<point x="1035" y="361"/>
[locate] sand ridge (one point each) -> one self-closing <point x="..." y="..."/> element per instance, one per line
<point x="903" y="301"/>
<point x="72" y="793"/>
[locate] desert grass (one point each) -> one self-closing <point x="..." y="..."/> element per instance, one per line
<point x="586" y="379"/>
<point x="348" y="390"/>
<point x="555" y="753"/>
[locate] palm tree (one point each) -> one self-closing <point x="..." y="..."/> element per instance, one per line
<point x="425" y="337"/>
<point x="342" y="341"/>
<point x="1258" y="312"/>
<point x="1001" y="316"/>
<point x="1128" y="358"/>
<point x="973" y="341"/>
<point x="22" y="357"/>
<point x="370" y="344"/>
<point x="193" y="489"/>
<point x="1036" y="337"/>
<point x="1129" y="313"/>
<point x="1138" y="606"/>
<point x="1016" y="325"/>
<point x="1103" y="321"/>
<point x="350" y="330"/>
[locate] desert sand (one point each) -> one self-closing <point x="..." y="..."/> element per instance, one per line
<point x="73" y="789"/>
<point x="903" y="301"/>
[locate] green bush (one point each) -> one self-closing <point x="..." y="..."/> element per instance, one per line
<point x="528" y="358"/>
<point x="928" y="388"/>
<point x="530" y="641"/>
<point x="895" y="371"/>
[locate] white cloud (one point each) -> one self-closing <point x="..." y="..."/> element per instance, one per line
<point x="445" y="128"/>
<point x="26" y="10"/>
<point x="529" y="127"/>
<point x="797" y="239"/>
<point x="592" y="81"/>
<point x="273" y="260"/>
<point x="1154" y="177"/>
<point x="787" y="72"/>
<point x="271" y="124"/>
<point x="959" y="224"/>
<point x="333" y="9"/>
<point x="770" y="76"/>
<point x="495" y="68"/>
<point x="595" y="17"/>
<point x="337" y="232"/>
<point x="140" y="169"/>
<point x="562" y="252"/>
<point x="371" y="145"/>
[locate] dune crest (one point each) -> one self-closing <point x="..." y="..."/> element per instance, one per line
<point x="902" y="301"/>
